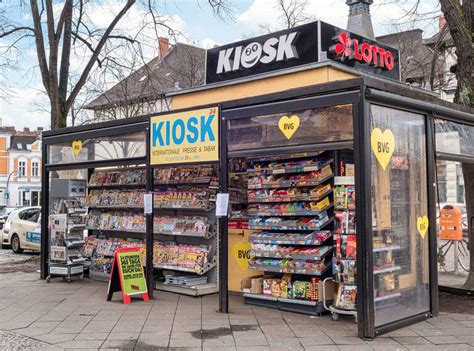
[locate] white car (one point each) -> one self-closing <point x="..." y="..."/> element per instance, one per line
<point x="22" y="229"/>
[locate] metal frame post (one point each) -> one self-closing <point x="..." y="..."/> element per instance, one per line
<point x="44" y="254"/>
<point x="432" y="200"/>
<point x="223" y="232"/>
<point x="362" y="160"/>
<point x="149" y="220"/>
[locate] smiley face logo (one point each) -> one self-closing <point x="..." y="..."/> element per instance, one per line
<point x="251" y="54"/>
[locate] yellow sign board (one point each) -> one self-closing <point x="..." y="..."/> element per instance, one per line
<point x="241" y="253"/>
<point x="383" y="145"/>
<point x="288" y="126"/>
<point x="77" y="147"/>
<point x="185" y="137"/>
<point x="422" y="224"/>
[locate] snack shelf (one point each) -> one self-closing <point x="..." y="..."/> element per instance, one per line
<point x="291" y="183"/>
<point x="387" y="270"/>
<point x="199" y="271"/>
<point x="313" y="308"/>
<point x="197" y="290"/>
<point x="264" y="227"/>
<point x="116" y="185"/>
<point x="278" y="270"/>
<point x="181" y="207"/>
<point x="287" y="170"/>
<point x="305" y="197"/>
<point x="289" y="214"/>
<point x="181" y="182"/>
<point x="387" y="297"/>
<point x="387" y="248"/>
<point x="324" y="251"/>
<point x="278" y="240"/>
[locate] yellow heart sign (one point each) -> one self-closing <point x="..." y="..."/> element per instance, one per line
<point x="241" y="253"/>
<point x="289" y="126"/>
<point x="383" y="145"/>
<point x="422" y="224"/>
<point x="76" y="147"/>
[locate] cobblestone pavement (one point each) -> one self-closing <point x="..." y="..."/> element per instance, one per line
<point x="13" y="341"/>
<point x="41" y="316"/>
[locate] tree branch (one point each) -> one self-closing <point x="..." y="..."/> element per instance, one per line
<point x="66" y="51"/>
<point x="95" y="55"/>
<point x="16" y="29"/>
<point x="43" y="65"/>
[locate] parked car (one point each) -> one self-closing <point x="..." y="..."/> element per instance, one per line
<point x="22" y="229"/>
<point x="4" y="213"/>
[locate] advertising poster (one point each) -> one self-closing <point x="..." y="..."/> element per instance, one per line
<point x="185" y="137"/>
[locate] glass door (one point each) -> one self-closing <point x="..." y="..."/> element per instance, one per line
<point x="400" y="220"/>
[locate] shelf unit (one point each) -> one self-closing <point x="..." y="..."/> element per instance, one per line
<point x="100" y="207"/>
<point x="295" y="228"/>
<point x="345" y="261"/>
<point x="180" y="179"/>
<point x="66" y="227"/>
<point x="325" y="250"/>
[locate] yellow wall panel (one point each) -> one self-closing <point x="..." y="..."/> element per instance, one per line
<point x="260" y="87"/>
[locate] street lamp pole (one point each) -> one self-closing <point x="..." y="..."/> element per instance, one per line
<point x="8" y="182"/>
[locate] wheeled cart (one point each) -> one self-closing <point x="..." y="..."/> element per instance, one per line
<point x="336" y="312"/>
<point x="66" y="271"/>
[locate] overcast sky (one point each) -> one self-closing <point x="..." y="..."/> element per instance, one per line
<point x="24" y="106"/>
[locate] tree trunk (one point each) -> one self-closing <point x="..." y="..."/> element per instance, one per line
<point x="468" y="174"/>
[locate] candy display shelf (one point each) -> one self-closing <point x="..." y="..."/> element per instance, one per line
<point x="288" y="214"/>
<point x="301" y="206"/>
<point x="276" y="269"/>
<point x="290" y="170"/>
<point x="313" y="308"/>
<point x="291" y="183"/>
<point x="325" y="250"/>
<point x="296" y="198"/>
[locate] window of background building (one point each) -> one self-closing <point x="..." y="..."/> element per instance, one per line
<point x="35" y="169"/>
<point x="21" y="168"/>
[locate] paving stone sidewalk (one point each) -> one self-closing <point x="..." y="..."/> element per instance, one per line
<point x="75" y="316"/>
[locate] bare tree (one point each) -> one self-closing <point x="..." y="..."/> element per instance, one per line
<point x="58" y="33"/>
<point x="291" y="13"/>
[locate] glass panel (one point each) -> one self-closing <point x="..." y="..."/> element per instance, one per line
<point x="454" y="138"/>
<point x="399" y="218"/>
<point x="98" y="149"/>
<point x="315" y="126"/>
<point x="452" y="226"/>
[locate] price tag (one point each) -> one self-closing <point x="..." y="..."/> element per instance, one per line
<point x="222" y="204"/>
<point x="148" y="202"/>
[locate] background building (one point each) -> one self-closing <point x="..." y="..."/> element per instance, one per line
<point x="20" y="167"/>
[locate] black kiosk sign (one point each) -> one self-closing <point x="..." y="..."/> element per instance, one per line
<point x="271" y="52"/>
<point x="309" y="43"/>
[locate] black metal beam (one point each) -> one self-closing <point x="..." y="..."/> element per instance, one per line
<point x="426" y="106"/>
<point x="44" y="253"/>
<point x="149" y="222"/>
<point x="336" y="145"/>
<point x="96" y="164"/>
<point x="328" y="100"/>
<point x="432" y="200"/>
<point x="223" y="231"/>
<point x="363" y="162"/>
<point x="66" y="137"/>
